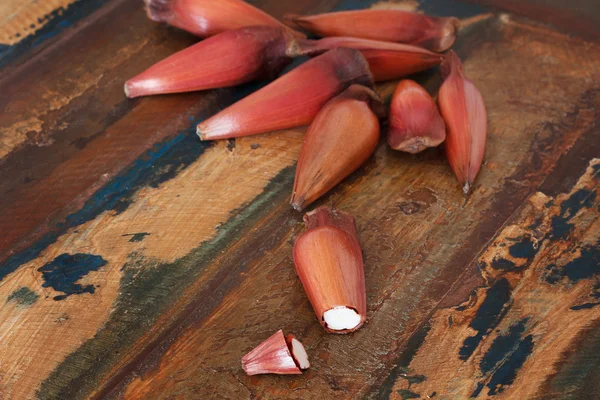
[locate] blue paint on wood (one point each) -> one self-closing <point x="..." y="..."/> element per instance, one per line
<point x="507" y="372"/>
<point x="502" y="346"/>
<point x="477" y="390"/>
<point x="55" y="22"/>
<point x="491" y="311"/>
<point x="523" y="248"/>
<point x="504" y="264"/>
<point x="62" y="273"/>
<point x="584" y="306"/>
<point x="561" y="227"/>
<point x="505" y="357"/>
<point x="136" y="237"/>
<point x="408" y="394"/>
<point x="157" y="165"/>
<point x="4" y="49"/>
<point x="585" y="266"/>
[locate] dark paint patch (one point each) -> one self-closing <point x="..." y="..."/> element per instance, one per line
<point x="504" y="264"/>
<point x="586" y="266"/>
<point x="502" y="346"/>
<point x="523" y="248"/>
<point x="4" y="48"/>
<point x="491" y="311"/>
<point x="148" y="288"/>
<point x="596" y="293"/>
<point x="507" y="372"/>
<point x="477" y="390"/>
<point x="584" y="306"/>
<point x="412" y="379"/>
<point x="407" y="394"/>
<point x="560" y="227"/>
<point x="137" y="237"/>
<point x="583" y="198"/>
<point x="57" y="21"/>
<point x="409" y="351"/>
<point x="23" y="296"/>
<point x="62" y="273"/>
<point x="156" y="166"/>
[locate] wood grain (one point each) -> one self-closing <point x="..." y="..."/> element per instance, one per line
<point x="19" y="19"/>
<point x="541" y="293"/>
<point x="376" y="197"/>
<point x="138" y="262"/>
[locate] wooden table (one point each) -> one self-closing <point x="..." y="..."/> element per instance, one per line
<point x="138" y="262"/>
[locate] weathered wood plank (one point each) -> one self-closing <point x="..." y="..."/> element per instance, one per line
<point x="182" y="250"/>
<point x="19" y="19"/>
<point x="539" y="302"/>
<point x="437" y="242"/>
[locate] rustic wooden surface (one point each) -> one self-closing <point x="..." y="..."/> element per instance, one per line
<point x="137" y="262"/>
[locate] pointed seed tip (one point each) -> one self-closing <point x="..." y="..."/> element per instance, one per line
<point x="466" y="188"/>
<point x="293" y="49"/>
<point x="296" y="205"/>
<point x="158" y="10"/>
<point x="200" y="133"/>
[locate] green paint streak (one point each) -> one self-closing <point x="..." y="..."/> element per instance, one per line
<point x="415" y="379"/>
<point x="407" y="394"/>
<point x="23" y="297"/>
<point x="147" y="289"/>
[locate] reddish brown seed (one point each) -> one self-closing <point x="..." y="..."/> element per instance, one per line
<point x="387" y="60"/>
<point x="279" y="354"/>
<point x="292" y="100"/>
<point x="465" y="116"/>
<point x="437" y="34"/>
<point x="415" y="122"/>
<point x="341" y="138"/>
<point x="205" y="18"/>
<point x="226" y="59"/>
<point x="328" y="260"/>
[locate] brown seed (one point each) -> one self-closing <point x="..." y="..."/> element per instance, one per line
<point x="206" y="18"/>
<point x="292" y="100"/>
<point x="465" y="116"/>
<point x="436" y="34"/>
<point x="341" y="138"/>
<point x="415" y="122"/>
<point x="328" y="260"/>
<point x="279" y="354"/>
<point x="226" y="59"/>
<point x="387" y="60"/>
